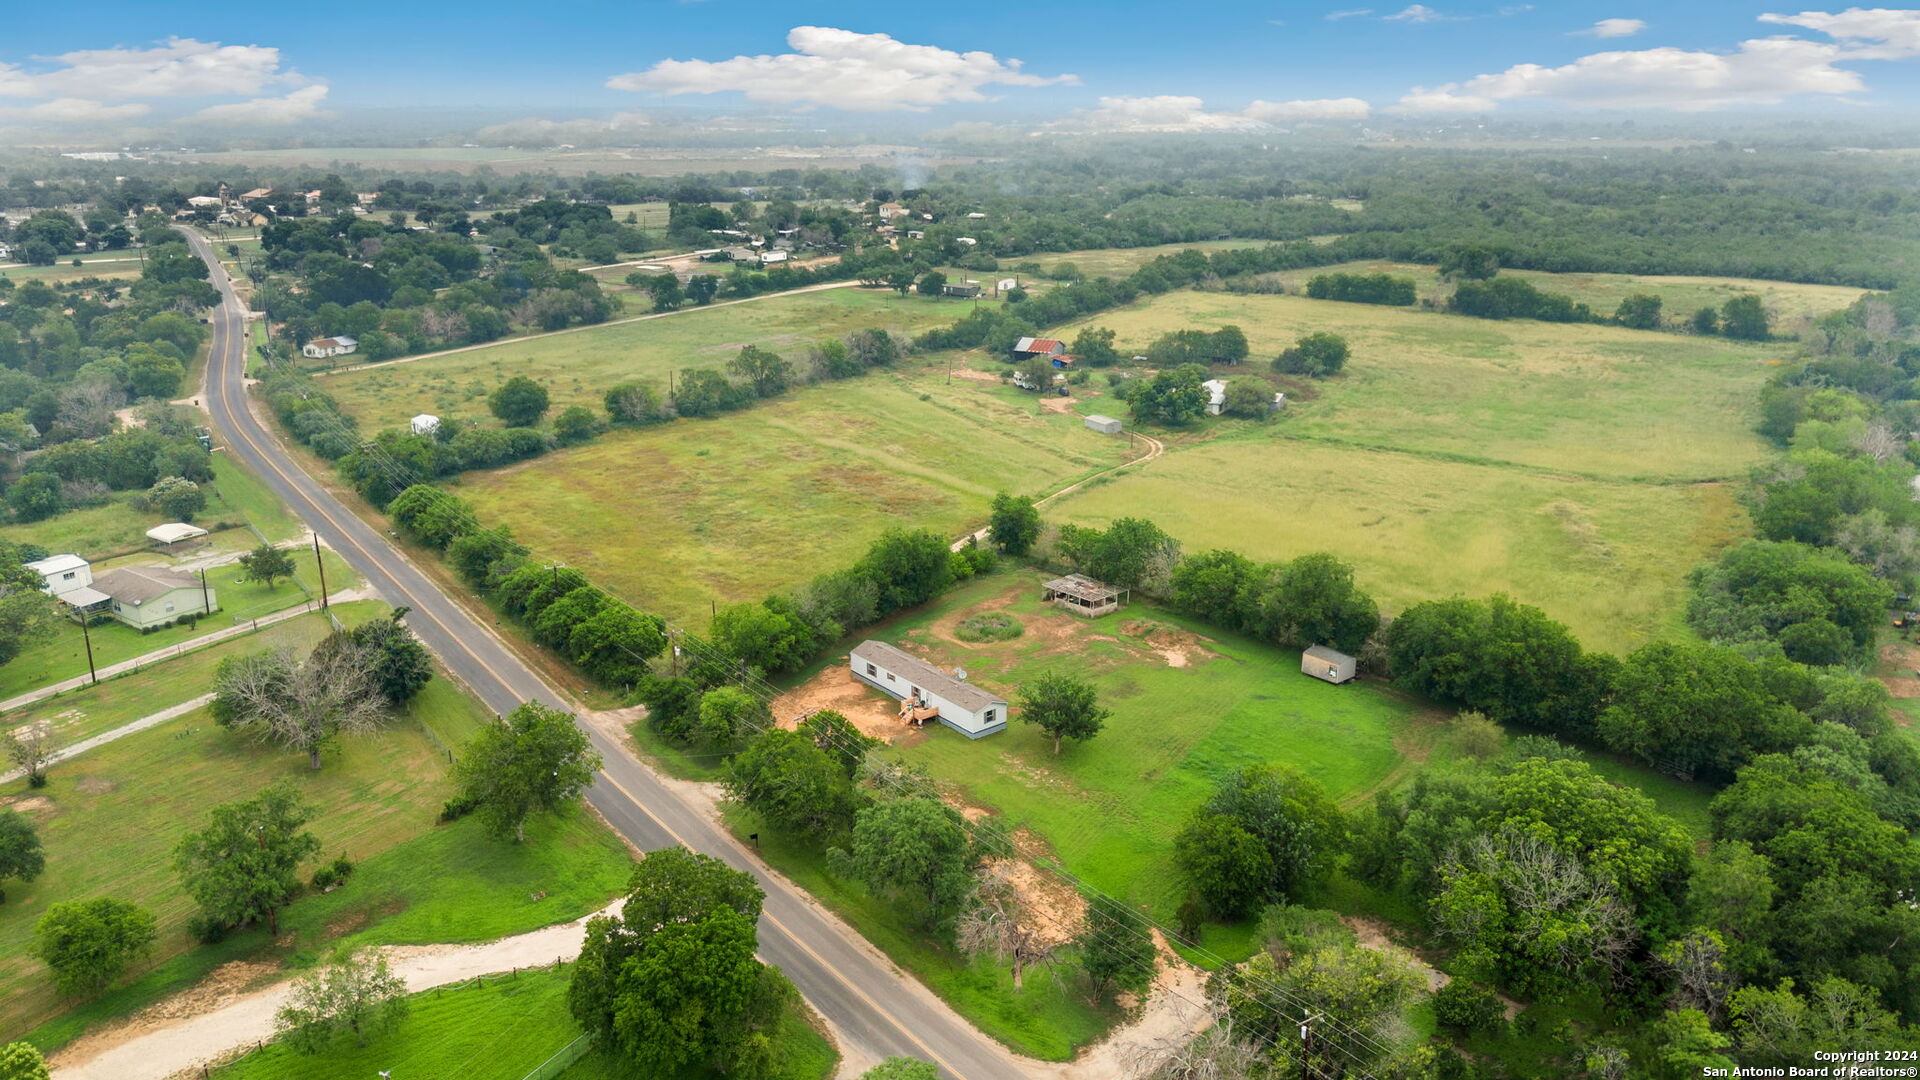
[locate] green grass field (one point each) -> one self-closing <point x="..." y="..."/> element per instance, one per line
<point x="1583" y="469"/>
<point x="110" y="818"/>
<point x="1190" y="705"/>
<point x="1680" y="297"/>
<point x="501" y="1028"/>
<point x="675" y="516"/>
<point x="101" y="264"/>
<point x="234" y="497"/>
<point x="115" y="702"/>
<point x="578" y="368"/>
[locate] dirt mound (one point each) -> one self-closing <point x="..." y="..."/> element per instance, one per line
<point x="222" y="984"/>
<point x="1179" y="648"/>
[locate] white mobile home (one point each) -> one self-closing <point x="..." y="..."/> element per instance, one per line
<point x="968" y="709"/>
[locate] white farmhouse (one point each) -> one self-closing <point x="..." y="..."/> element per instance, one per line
<point x="322" y="348"/>
<point x="962" y="706"/>
<point x="1216" y="395"/>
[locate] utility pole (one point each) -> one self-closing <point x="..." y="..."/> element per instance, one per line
<point x="323" y="571"/>
<point x="206" y="602"/>
<point x="86" y="635"/>
<point x="1306" y="1044"/>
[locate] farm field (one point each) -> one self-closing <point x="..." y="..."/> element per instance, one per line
<point x="1607" y="558"/>
<point x="578" y="368"/>
<point x="1593" y="400"/>
<point x="1680" y="296"/>
<point x="679" y="515"/>
<point x="1119" y="262"/>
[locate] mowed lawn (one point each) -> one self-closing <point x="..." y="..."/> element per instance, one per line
<point x="1679" y="296"/>
<point x="678" y="516"/>
<point x="1190" y="705"/>
<point x="501" y="1028"/>
<point x="1584" y="399"/>
<point x="578" y="368"/>
<point x="110" y="818"/>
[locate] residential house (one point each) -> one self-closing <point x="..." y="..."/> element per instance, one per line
<point x="968" y="290"/>
<point x="322" y="348"/>
<point x="769" y="257"/>
<point x="889" y="211"/>
<point x="148" y="597"/>
<point x="927" y="692"/>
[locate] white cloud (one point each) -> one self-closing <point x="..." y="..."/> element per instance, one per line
<point x="1350" y="13"/>
<point x="181" y="67"/>
<point x="1867" y="33"/>
<point x="302" y="104"/>
<point x="1613" y="28"/>
<point x="1185" y="114"/>
<point x="1165" y="112"/>
<point x="1764" y="71"/>
<point x="1417" y="13"/>
<point x="843" y="69"/>
<point x="1294" y="112"/>
<point x="71" y="110"/>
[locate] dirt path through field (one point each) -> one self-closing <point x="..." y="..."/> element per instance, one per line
<point x="1154" y="449"/>
<point x="165" y="1039"/>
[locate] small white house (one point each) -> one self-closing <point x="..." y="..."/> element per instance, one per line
<point x="1327" y="664"/>
<point x="62" y="573"/>
<point x="768" y="257"/>
<point x="145" y="597"/>
<point x="425" y="424"/>
<point x="322" y="348"/>
<point x="1216" y="395"/>
<point x="959" y="704"/>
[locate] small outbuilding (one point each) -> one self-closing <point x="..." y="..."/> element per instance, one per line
<point x="926" y="692"/>
<point x="1216" y="395"/>
<point x="175" y="532"/>
<point x="963" y="290"/>
<point x="1082" y="595"/>
<point x="425" y="424"/>
<point x="1328" y="664"/>
<point x="1029" y="347"/>
<point x="1105" y="425"/>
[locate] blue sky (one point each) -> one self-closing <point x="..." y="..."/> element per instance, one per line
<point x="1195" y="66"/>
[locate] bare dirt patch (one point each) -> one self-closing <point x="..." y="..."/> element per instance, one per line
<point x="1058" y="404"/>
<point x="95" y="785"/>
<point x="1904" y="659"/>
<point x="29" y="804"/>
<point x="222" y="984"/>
<point x="1371" y="933"/>
<point x="1172" y="1014"/>
<point x="1179" y="648"/>
<point x="975" y="375"/>
<point x="835" y="688"/>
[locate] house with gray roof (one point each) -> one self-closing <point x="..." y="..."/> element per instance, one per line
<point x="966" y="708"/>
<point x="148" y="597"/>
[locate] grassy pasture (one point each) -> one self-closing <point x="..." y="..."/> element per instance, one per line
<point x="1680" y="296"/>
<point x="1609" y="559"/>
<point x="673" y="516"/>
<point x="101" y="264"/>
<point x="578" y="368"/>
<point x="1586" y="399"/>
<point x="234" y="497"/>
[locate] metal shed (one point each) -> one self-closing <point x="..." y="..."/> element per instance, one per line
<point x="1105" y="425"/>
<point x="1328" y="664"/>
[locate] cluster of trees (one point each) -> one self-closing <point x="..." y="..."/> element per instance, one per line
<point x="399" y="290"/>
<point x="72" y="358"/>
<point x="1227" y="345"/>
<point x="1362" y="288"/>
<point x="348" y="685"/>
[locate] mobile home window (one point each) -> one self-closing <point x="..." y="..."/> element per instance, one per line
<point x="869" y="670"/>
<point x="890" y="676"/>
<point x="987" y="717"/>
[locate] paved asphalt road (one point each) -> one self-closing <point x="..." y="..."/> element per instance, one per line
<point x="874" y="1009"/>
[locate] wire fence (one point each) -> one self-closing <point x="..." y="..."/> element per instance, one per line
<point x="562" y="1059"/>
